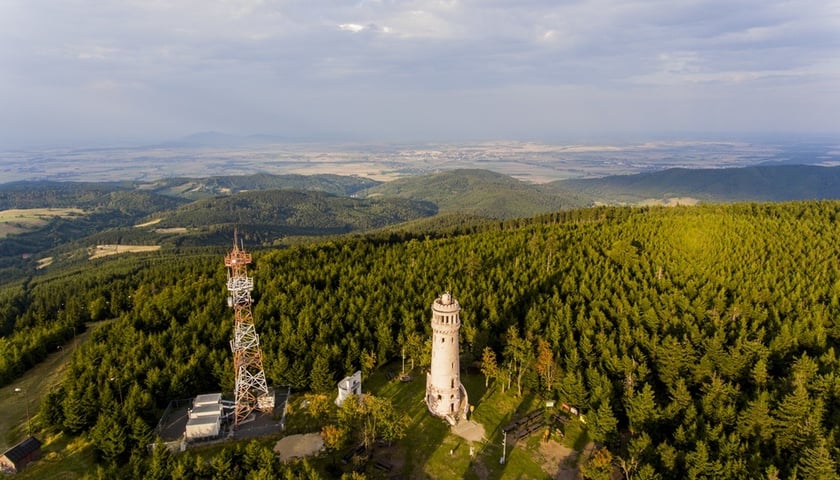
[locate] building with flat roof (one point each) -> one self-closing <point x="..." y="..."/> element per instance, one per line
<point x="205" y="418"/>
<point x="203" y="427"/>
<point x="207" y="399"/>
<point x="16" y="458"/>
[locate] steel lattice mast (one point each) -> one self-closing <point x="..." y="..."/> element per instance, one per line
<point x="251" y="391"/>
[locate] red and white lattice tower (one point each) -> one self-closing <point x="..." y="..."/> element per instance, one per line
<point x="251" y="391"/>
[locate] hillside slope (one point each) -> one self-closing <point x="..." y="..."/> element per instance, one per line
<point x="759" y="183"/>
<point x="692" y="339"/>
<point x="197" y="188"/>
<point x="274" y="213"/>
<point x="479" y="192"/>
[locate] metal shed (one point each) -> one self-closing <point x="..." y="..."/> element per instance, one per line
<point x="16" y="458"/>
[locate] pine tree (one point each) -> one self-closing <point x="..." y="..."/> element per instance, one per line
<point x="815" y="462"/>
<point x="641" y="409"/>
<point x="109" y="438"/>
<point x="161" y="463"/>
<point x="602" y="422"/>
<point x="321" y="379"/>
<point x="796" y="419"/>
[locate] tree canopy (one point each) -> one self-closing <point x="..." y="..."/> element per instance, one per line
<point x="699" y="340"/>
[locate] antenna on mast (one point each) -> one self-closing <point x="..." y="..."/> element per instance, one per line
<point x="251" y="390"/>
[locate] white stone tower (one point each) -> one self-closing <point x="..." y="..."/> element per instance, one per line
<point x="445" y="396"/>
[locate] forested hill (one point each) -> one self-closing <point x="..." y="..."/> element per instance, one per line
<point x="698" y="342"/>
<point x="109" y="214"/>
<point x="85" y="196"/>
<point x="268" y="215"/>
<point x="196" y="188"/>
<point x="758" y="183"/>
<point x="201" y="212"/>
<point x="480" y="192"/>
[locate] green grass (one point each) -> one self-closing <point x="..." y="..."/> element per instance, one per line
<point x="16" y="221"/>
<point x="62" y="457"/>
<point x="425" y="451"/>
<point x="429" y="449"/>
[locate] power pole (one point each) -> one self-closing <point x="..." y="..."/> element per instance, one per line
<point x="26" y="399"/>
<point x="504" y="447"/>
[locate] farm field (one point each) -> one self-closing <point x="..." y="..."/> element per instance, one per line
<point x="16" y="220"/>
<point x="107" y="250"/>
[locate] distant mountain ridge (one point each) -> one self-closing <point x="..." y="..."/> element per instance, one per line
<point x="212" y="139"/>
<point x="757" y="183"/>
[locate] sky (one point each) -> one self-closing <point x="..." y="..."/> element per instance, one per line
<point x="109" y="71"/>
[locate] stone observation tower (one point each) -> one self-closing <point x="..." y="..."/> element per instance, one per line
<point x="445" y="396"/>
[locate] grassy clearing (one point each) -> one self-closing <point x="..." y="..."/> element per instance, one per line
<point x="148" y="224"/>
<point x="33" y="385"/>
<point x="15" y="221"/>
<point x="431" y="451"/>
<point x="62" y="457"/>
<point x="44" y="263"/>
<point x="106" y="250"/>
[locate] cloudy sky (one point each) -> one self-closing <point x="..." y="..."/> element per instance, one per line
<point x="99" y="71"/>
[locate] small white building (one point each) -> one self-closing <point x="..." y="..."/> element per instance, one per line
<point x="351" y="385"/>
<point x="207" y="399"/>
<point x="205" y="417"/>
<point x="206" y="411"/>
<point x="203" y="427"/>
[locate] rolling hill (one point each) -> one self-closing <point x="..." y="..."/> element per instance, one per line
<point x="206" y="187"/>
<point x="202" y="212"/>
<point x="277" y="213"/>
<point x="758" y="183"/>
<point x="479" y="192"/>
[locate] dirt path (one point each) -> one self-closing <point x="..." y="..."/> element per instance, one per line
<point x="469" y="430"/>
<point x="558" y="460"/>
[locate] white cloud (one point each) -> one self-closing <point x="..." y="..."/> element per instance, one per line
<point x="351" y="27"/>
<point x="253" y="57"/>
<point x="96" y="53"/>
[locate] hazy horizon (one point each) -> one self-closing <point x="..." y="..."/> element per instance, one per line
<point x="130" y="72"/>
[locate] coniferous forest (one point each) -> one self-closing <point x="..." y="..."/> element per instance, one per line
<point x="699" y="342"/>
